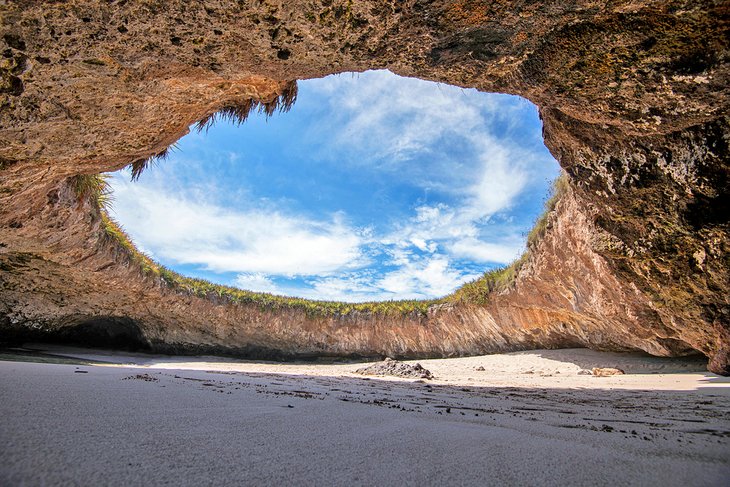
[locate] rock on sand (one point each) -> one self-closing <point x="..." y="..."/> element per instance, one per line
<point x="396" y="369"/>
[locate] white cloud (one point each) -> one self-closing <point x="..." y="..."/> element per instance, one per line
<point x="190" y="231"/>
<point x="349" y="288"/>
<point x="441" y="141"/>
<point x="503" y="176"/>
<point x="387" y="120"/>
<point x="393" y="120"/>
<point x="423" y="278"/>
<point x="478" y="251"/>
<point x="256" y="281"/>
<point x="439" y="222"/>
<point x="419" y="278"/>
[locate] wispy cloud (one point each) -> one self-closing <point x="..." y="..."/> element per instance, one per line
<point x="479" y="251"/>
<point x="421" y="278"/>
<point x="417" y="278"/>
<point x="441" y="136"/>
<point x="258" y="281"/>
<point x="449" y="140"/>
<point x="190" y="230"/>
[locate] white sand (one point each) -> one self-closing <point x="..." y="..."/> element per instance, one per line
<point x="528" y="419"/>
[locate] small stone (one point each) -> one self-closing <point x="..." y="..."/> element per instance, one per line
<point x="607" y="371"/>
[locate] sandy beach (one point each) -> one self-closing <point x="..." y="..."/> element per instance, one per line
<point x="526" y="418"/>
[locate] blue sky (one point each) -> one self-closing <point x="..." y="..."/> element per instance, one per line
<point x="372" y="187"/>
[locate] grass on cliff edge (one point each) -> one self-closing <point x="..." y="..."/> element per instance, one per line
<point x="496" y="280"/>
<point x="96" y="189"/>
<point x="207" y="289"/>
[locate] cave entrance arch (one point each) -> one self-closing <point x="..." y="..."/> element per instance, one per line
<point x="634" y="103"/>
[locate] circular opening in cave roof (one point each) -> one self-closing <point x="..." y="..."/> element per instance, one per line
<point x="372" y="187"/>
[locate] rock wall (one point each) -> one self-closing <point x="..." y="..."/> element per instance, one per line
<point x="634" y="99"/>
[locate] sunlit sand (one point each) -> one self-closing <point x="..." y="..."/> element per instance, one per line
<point x="527" y="417"/>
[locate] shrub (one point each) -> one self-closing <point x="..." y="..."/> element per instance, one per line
<point x="93" y="187"/>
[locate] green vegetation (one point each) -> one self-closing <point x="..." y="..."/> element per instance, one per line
<point x="93" y="187"/>
<point x="205" y="289"/>
<point x="234" y="112"/>
<point x="139" y="166"/>
<point x="238" y="112"/>
<point x="560" y="186"/>
<point x="496" y="280"/>
<point x="113" y="233"/>
<point x="475" y="292"/>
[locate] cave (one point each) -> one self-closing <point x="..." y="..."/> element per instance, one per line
<point x="634" y="102"/>
<point x="104" y="332"/>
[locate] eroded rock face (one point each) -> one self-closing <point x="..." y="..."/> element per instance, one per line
<point x="634" y="98"/>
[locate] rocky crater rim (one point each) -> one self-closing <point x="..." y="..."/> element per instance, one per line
<point x="96" y="188"/>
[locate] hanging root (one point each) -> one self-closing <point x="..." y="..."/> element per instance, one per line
<point x="139" y="166"/>
<point x="288" y="97"/>
<point x="238" y="112"/>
